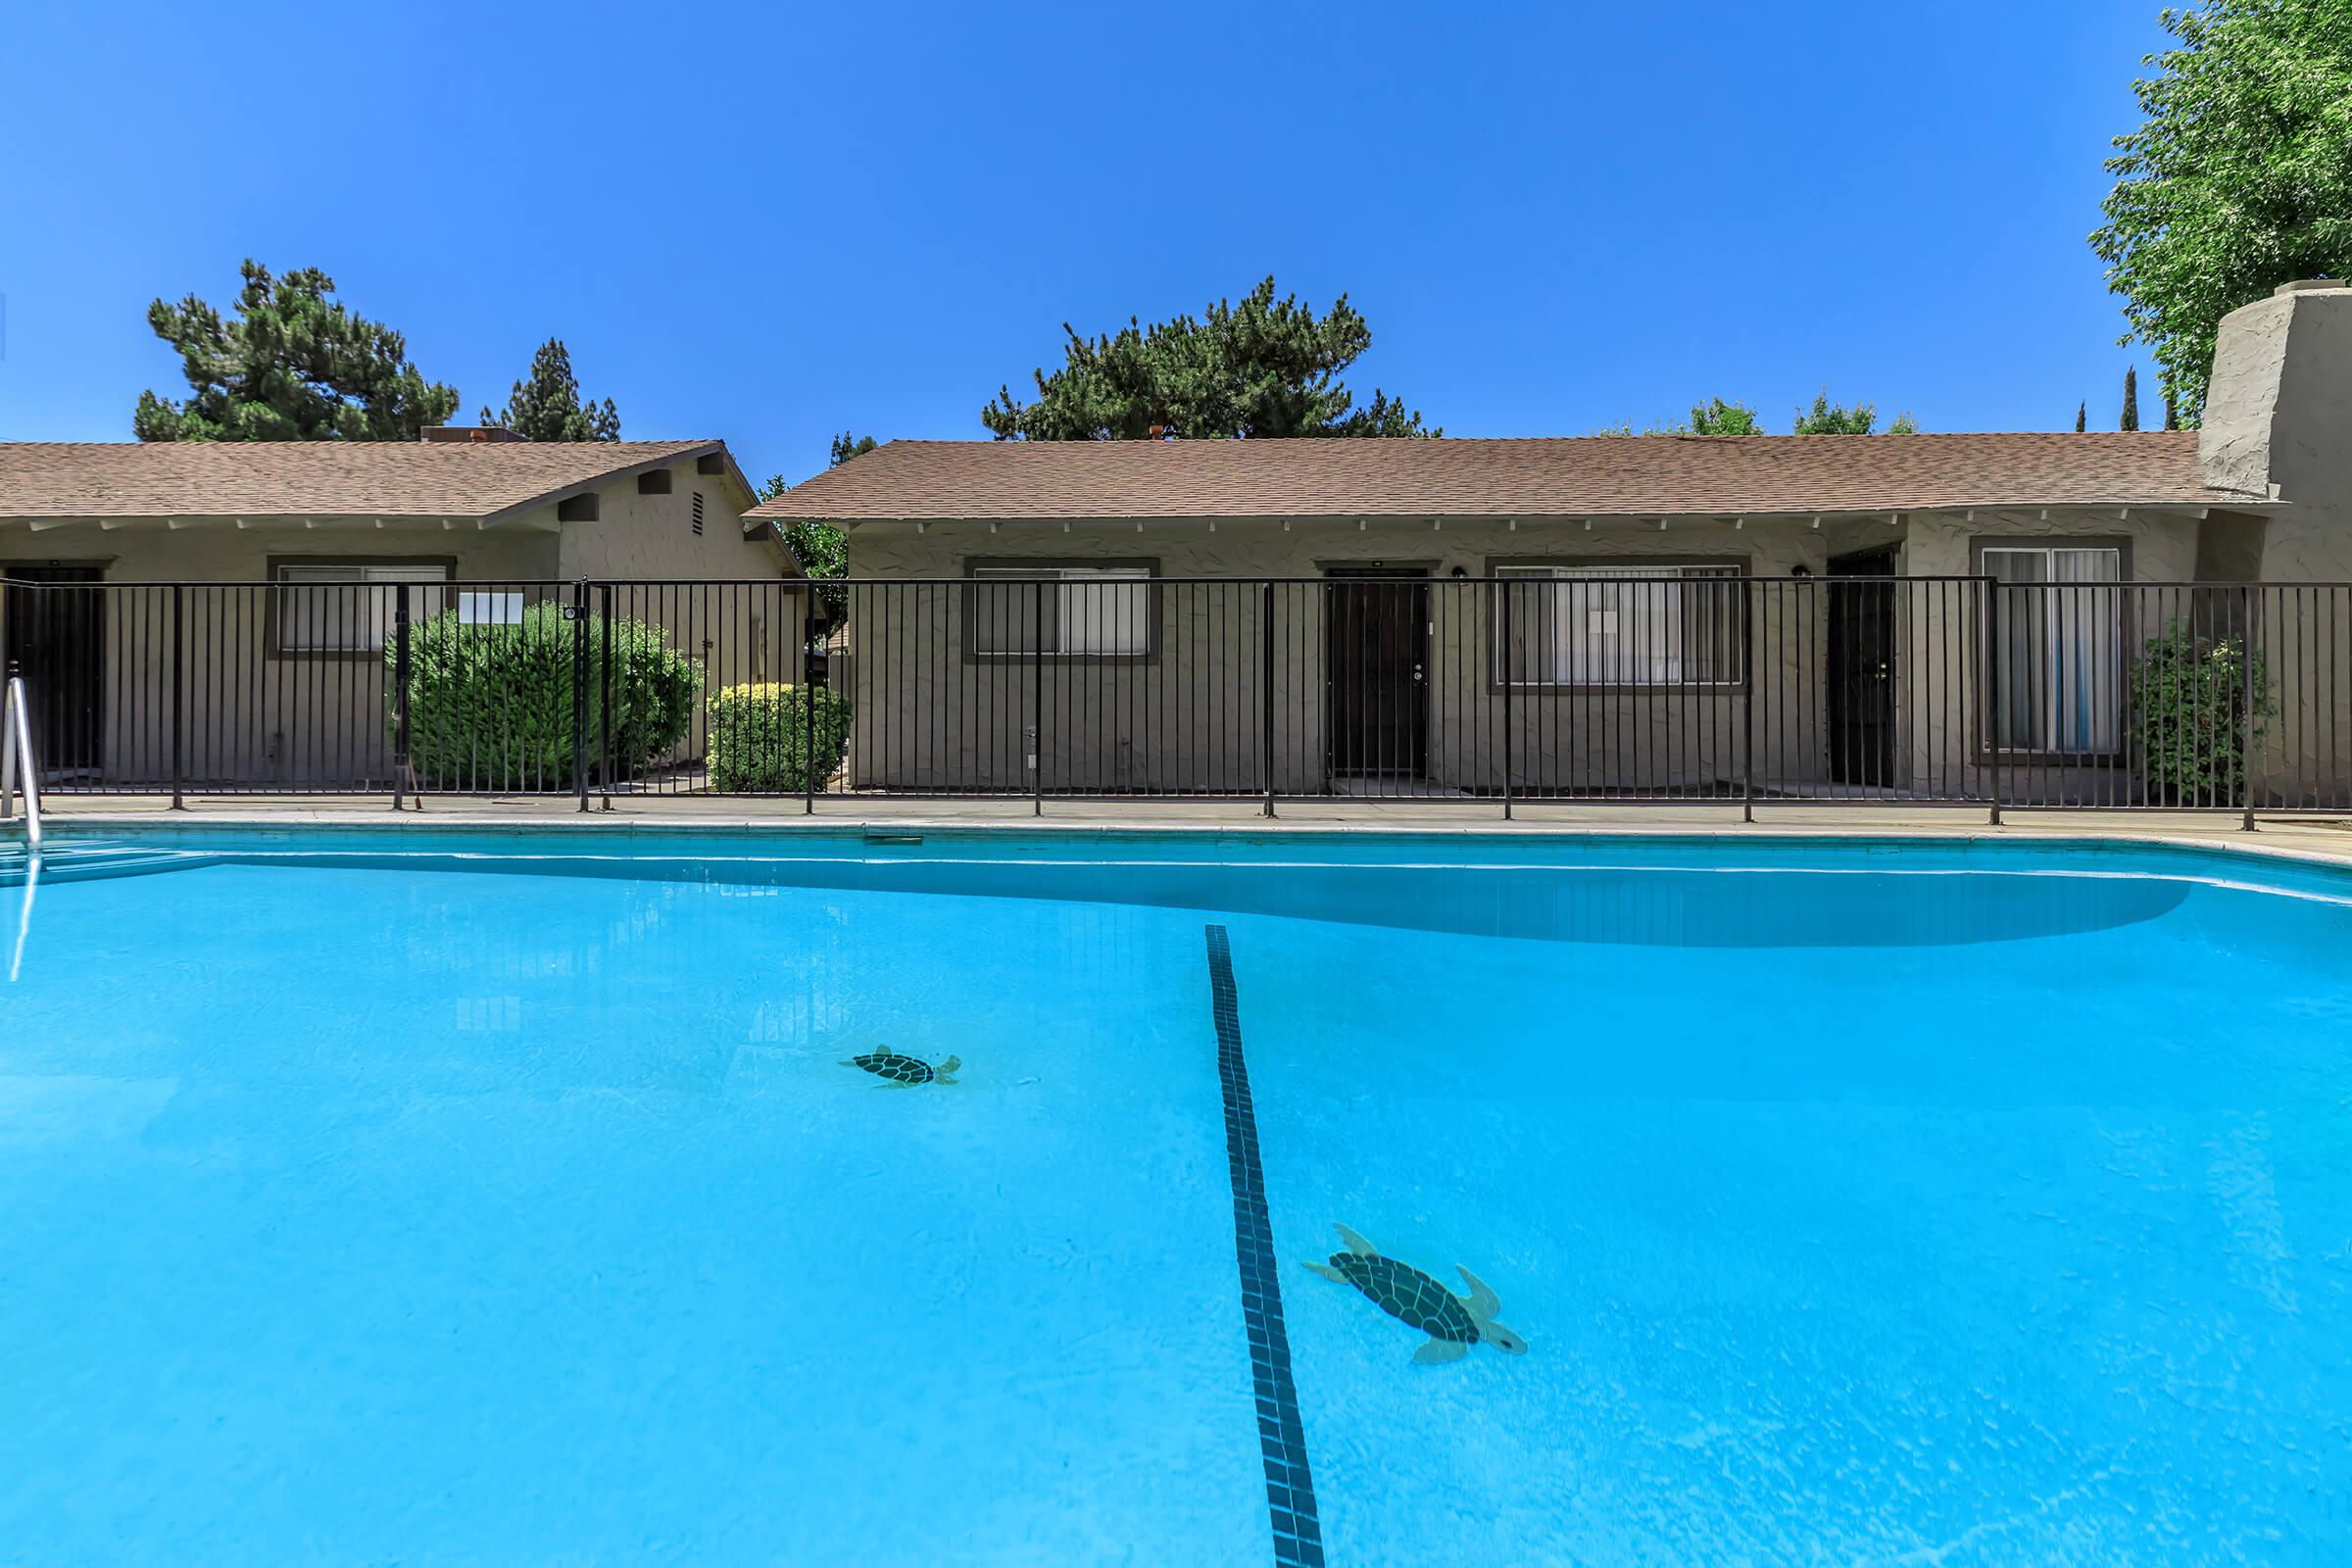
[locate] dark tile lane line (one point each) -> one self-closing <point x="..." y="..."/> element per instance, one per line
<point x="1289" y="1486"/>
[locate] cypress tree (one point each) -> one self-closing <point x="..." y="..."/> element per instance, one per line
<point x="2172" y="410"/>
<point x="2081" y="416"/>
<point x="2130" y="419"/>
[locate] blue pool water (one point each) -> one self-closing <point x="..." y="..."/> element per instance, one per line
<point x="381" y="1198"/>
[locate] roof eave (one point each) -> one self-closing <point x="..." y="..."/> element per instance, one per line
<point x="2222" y="500"/>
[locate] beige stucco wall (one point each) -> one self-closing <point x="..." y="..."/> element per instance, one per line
<point x="1191" y="716"/>
<point x="2278" y="420"/>
<point x="735" y="605"/>
<point x="257" y="717"/>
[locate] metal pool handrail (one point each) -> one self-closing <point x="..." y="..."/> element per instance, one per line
<point x="16" y="761"/>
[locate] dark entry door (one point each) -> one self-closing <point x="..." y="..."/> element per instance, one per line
<point x="56" y="639"/>
<point x="1861" y="672"/>
<point x="1376" y="670"/>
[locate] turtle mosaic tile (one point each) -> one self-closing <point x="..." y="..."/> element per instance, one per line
<point x="1281" y="1438"/>
<point x="900" y="1068"/>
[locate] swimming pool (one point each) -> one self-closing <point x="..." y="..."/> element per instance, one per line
<point x="427" y="1195"/>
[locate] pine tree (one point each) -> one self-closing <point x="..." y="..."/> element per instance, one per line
<point x="549" y="405"/>
<point x="1261" y="367"/>
<point x="2130" y="419"/>
<point x="2081" y="416"/>
<point x="294" y="365"/>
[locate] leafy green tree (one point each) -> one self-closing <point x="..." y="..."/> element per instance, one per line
<point x="2131" y="418"/>
<point x="1715" y="417"/>
<point x="294" y="365"/>
<point x="1261" y="367"/>
<point x="549" y="405"/>
<point x="2239" y="179"/>
<point x="1834" y="419"/>
<point x="2081" y="416"/>
<point x="822" y="549"/>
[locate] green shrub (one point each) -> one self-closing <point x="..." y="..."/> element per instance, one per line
<point x="491" y="705"/>
<point x="2188" y="704"/>
<point x="760" y="737"/>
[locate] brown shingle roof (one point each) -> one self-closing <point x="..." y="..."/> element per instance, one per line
<point x="311" y="479"/>
<point x="1583" y="477"/>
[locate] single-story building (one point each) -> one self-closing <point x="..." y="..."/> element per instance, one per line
<point x="1604" y="615"/>
<point x="292" y="557"/>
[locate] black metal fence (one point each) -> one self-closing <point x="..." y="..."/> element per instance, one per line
<point x="1664" y="684"/>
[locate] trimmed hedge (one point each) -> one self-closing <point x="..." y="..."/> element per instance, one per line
<point x="491" y="707"/>
<point x="761" y="733"/>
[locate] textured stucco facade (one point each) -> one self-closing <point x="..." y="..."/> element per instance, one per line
<point x="1189" y="716"/>
<point x="256" y="715"/>
<point x="1190" y="712"/>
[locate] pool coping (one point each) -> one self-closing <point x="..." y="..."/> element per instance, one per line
<point x="2058" y="832"/>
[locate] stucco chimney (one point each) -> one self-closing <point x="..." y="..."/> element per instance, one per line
<point x="2279" y="412"/>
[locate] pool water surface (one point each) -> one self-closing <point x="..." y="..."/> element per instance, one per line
<point x="417" y="1197"/>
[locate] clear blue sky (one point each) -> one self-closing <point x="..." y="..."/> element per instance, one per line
<point x="771" y="224"/>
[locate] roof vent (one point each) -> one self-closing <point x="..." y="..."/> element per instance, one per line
<point x="469" y="435"/>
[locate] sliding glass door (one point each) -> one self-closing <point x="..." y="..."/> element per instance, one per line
<point x="2061" y="653"/>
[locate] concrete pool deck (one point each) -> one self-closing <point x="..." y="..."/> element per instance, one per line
<point x="2327" y="837"/>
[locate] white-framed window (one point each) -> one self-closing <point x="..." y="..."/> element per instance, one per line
<point x="492" y="607"/>
<point x="1618" y="625"/>
<point x="2061" y="648"/>
<point x="1104" y="610"/>
<point x="339" y="608"/>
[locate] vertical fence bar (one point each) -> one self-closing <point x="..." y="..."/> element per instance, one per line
<point x="786" y="600"/>
<point x="1502" y="672"/>
<point x="1748" y="698"/>
<point x="400" y="695"/>
<point x="179" y="702"/>
<point x="605" y="697"/>
<point x="1037" y="697"/>
<point x="579" y="691"/>
<point x="2245" y="663"/>
<point x="1266" y="696"/>
<point x="1990" y="588"/>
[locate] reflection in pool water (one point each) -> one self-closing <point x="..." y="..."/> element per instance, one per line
<point x="1854" y="1205"/>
